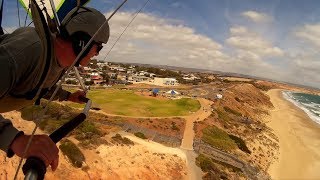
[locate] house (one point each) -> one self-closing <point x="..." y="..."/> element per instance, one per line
<point x="96" y="78"/>
<point x="130" y="71"/>
<point x="102" y="64"/>
<point x="190" y="77"/>
<point x="122" y="77"/>
<point x="165" y="81"/>
<point x="152" y="75"/>
<point x="136" y="78"/>
<point x="143" y="73"/>
<point x="112" y="75"/>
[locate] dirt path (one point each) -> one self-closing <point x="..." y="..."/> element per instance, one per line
<point x="200" y="115"/>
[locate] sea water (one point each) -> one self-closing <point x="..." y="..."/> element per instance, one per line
<point x="307" y="102"/>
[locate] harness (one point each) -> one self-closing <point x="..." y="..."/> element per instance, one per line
<point x="1" y="8"/>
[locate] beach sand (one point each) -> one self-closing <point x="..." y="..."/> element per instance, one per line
<point x="299" y="141"/>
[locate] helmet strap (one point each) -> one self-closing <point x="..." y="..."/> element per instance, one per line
<point x="79" y="40"/>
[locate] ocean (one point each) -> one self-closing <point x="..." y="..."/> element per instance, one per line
<point x="307" y="102"/>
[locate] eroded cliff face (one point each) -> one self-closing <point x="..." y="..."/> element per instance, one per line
<point x="246" y="99"/>
<point x="241" y="112"/>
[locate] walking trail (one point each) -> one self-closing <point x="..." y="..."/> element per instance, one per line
<point x="200" y="115"/>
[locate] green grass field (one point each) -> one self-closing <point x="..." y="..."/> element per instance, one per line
<point x="125" y="102"/>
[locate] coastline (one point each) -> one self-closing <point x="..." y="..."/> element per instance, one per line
<point x="299" y="140"/>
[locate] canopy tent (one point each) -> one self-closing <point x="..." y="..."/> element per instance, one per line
<point x="172" y="92"/>
<point x="155" y="90"/>
<point x="62" y="6"/>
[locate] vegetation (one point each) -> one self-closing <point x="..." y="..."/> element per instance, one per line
<point x="174" y="126"/>
<point x="57" y="115"/>
<point x="88" y="134"/>
<point x="261" y="86"/>
<point x="140" y="135"/>
<point x="240" y="143"/>
<point x="126" y="102"/>
<point x="73" y="153"/>
<point x="207" y="165"/>
<point x="223" y="115"/>
<point x="122" y="140"/>
<point x="218" y="138"/>
<point x="229" y="110"/>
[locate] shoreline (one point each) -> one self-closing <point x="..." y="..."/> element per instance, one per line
<point x="299" y="140"/>
<point x="288" y="97"/>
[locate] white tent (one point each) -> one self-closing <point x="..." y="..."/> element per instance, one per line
<point x="172" y="92"/>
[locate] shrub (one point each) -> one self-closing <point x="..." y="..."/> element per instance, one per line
<point x="140" y="135"/>
<point x="229" y="110"/>
<point x="73" y="153"/>
<point x="174" y="126"/>
<point x="119" y="139"/>
<point x="223" y="116"/>
<point x="218" y="138"/>
<point x="204" y="163"/>
<point x="88" y="127"/>
<point x="240" y="143"/>
<point x="207" y="165"/>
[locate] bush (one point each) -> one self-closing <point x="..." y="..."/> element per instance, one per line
<point x="240" y="143"/>
<point x="223" y="116"/>
<point x="207" y="165"/>
<point x="119" y="139"/>
<point x="69" y="81"/>
<point x="174" y="126"/>
<point x="140" y="135"/>
<point x="73" y="153"/>
<point x="218" y="138"/>
<point x="229" y="110"/>
<point x="204" y="163"/>
<point x="88" y="127"/>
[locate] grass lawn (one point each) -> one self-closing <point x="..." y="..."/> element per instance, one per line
<point x="125" y="102"/>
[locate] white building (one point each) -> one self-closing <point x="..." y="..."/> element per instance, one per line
<point x="165" y="81"/>
<point x="138" y="78"/>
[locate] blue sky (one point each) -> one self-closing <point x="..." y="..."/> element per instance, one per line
<point x="277" y="39"/>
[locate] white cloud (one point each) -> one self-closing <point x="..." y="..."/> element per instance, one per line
<point x="153" y="40"/>
<point x="242" y="38"/>
<point x="250" y="53"/>
<point x="309" y="33"/>
<point x="256" y="16"/>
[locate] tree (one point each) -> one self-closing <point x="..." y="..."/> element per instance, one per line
<point x="88" y="83"/>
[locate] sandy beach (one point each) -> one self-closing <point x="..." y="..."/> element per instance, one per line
<point x="299" y="141"/>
